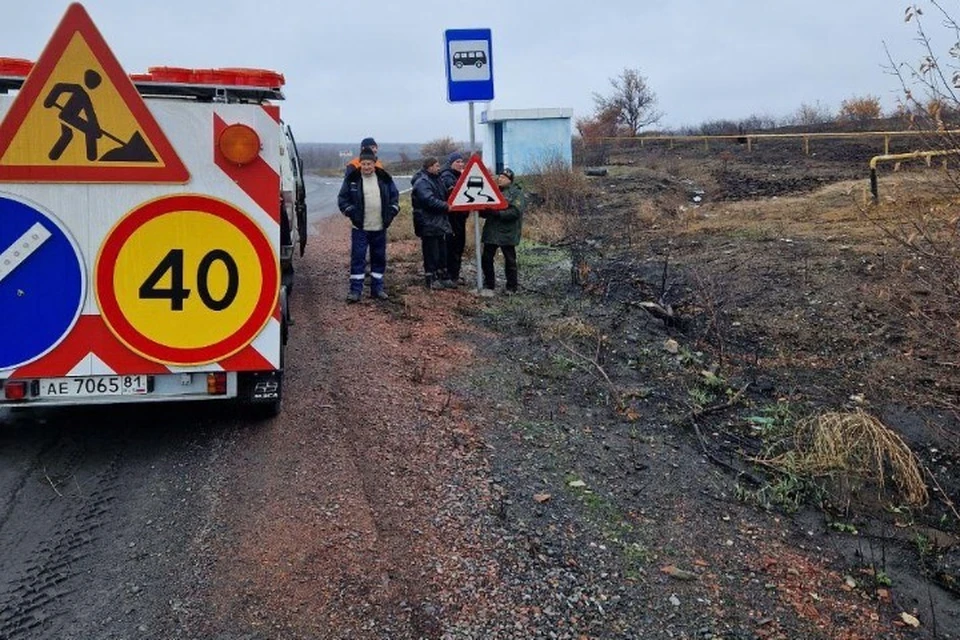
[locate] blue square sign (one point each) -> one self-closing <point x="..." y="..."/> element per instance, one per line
<point x="469" y="63"/>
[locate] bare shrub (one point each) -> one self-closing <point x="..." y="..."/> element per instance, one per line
<point x="759" y="122"/>
<point x="811" y="115"/>
<point x="720" y="128"/>
<point x="592" y="147"/>
<point x="633" y="101"/>
<point x="924" y="222"/>
<point x="860" y="110"/>
<point x="558" y="198"/>
<point x="440" y="148"/>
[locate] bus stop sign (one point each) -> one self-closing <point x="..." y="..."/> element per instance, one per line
<point x="469" y="62"/>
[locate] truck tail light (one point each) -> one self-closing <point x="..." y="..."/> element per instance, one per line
<point x="216" y="383"/>
<point x="239" y="144"/>
<point x="15" y="390"/>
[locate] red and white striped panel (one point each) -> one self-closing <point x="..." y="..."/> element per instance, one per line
<point x="89" y="211"/>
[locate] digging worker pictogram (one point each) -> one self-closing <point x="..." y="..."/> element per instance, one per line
<point x="78" y="114"/>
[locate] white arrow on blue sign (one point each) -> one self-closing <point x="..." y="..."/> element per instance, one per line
<point x="42" y="283"/>
<point x="469" y="63"/>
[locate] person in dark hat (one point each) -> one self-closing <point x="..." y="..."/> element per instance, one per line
<point x="371" y="200"/>
<point x="449" y="175"/>
<point x="369" y="143"/>
<point x="501" y="230"/>
<point x="430" y="209"/>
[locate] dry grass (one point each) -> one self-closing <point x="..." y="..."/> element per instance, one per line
<point x="829" y="212"/>
<point x="566" y="328"/>
<point x="562" y="196"/>
<point x="402" y="227"/>
<point x="851" y="449"/>
<point x="545" y="227"/>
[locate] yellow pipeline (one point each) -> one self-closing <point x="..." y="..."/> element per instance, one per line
<point x="804" y="137"/>
<point x="891" y="157"/>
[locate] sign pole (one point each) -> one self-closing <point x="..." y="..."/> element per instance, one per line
<point x="476" y="214"/>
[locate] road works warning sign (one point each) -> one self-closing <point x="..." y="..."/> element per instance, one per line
<point x="78" y="118"/>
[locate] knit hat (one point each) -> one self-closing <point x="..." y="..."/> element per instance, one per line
<point x="453" y="157"/>
<point x="507" y="172"/>
<point x="368" y="142"/>
<point x="367" y="154"/>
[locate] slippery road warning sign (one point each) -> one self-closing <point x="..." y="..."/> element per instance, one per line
<point x="42" y="283"/>
<point x="78" y="118"/>
<point x="476" y="189"/>
<point x="187" y="280"/>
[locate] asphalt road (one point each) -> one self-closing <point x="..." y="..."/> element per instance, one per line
<point x="322" y="194"/>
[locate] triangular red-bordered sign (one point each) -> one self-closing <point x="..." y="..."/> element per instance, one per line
<point x="79" y="118"/>
<point x="476" y="189"/>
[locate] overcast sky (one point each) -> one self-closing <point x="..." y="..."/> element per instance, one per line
<point x="376" y="68"/>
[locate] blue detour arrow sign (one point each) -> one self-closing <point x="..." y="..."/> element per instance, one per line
<point x="42" y="283"/>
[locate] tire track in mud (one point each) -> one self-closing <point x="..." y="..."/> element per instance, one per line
<point x="47" y="556"/>
<point x="20" y="483"/>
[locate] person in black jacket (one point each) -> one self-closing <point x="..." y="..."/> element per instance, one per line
<point x="369" y="197"/>
<point x="458" y="220"/>
<point x="432" y="218"/>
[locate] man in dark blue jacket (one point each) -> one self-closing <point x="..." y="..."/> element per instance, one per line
<point x="432" y="215"/>
<point x="369" y="197"/>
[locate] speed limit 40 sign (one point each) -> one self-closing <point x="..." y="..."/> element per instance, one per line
<point x="187" y="280"/>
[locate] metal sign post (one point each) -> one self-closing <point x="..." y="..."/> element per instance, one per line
<point x="476" y="214"/>
<point x="468" y="57"/>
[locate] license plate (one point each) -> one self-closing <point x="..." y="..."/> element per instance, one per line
<point x="86" y="386"/>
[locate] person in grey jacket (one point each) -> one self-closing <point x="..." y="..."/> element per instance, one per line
<point x="432" y="219"/>
<point x="501" y="230"/>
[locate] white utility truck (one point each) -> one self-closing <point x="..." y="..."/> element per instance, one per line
<point x="147" y="229"/>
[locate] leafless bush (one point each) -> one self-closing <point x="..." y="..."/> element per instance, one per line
<point x="558" y="198"/>
<point x="930" y="85"/>
<point x="924" y="222"/>
<point x="809" y="115"/>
